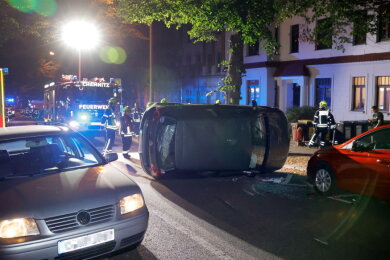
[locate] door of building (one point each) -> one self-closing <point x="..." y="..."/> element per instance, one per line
<point x="296" y="95"/>
<point x="253" y="91"/>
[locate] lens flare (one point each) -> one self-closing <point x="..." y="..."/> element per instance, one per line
<point x="42" y="7"/>
<point x="25" y="6"/>
<point x="114" y="55"/>
<point x="46" y="7"/>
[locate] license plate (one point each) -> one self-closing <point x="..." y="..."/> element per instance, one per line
<point x="95" y="123"/>
<point x="77" y="243"/>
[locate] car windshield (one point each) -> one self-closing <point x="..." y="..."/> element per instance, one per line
<point x="37" y="155"/>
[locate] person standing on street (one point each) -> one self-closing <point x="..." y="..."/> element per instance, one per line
<point x="109" y="120"/>
<point x="323" y="122"/>
<point x="126" y="123"/>
<point x="377" y="117"/>
<point x="136" y="115"/>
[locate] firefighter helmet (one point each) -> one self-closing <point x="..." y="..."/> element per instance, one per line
<point x="112" y="101"/>
<point x="323" y="104"/>
<point x="126" y="108"/>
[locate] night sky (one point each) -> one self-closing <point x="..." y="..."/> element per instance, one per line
<point x="22" y="56"/>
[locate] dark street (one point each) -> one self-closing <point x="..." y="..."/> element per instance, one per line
<point x="232" y="216"/>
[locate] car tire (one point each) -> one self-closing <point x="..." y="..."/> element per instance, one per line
<point x="324" y="180"/>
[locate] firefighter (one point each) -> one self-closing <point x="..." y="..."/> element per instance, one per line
<point x="136" y="115"/>
<point x="323" y="122"/>
<point x="126" y="124"/>
<point x="109" y="121"/>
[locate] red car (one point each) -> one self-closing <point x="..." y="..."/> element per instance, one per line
<point x="360" y="165"/>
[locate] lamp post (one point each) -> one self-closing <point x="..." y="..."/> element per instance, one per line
<point x="80" y="35"/>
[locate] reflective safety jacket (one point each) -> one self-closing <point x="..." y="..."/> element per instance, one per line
<point x="126" y="125"/>
<point x="323" y="118"/>
<point x="109" y="119"/>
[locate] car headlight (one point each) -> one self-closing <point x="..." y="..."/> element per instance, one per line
<point x="74" y="124"/>
<point x="18" y="227"/>
<point x="131" y="203"/>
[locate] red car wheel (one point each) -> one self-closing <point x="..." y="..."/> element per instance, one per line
<point x="324" y="180"/>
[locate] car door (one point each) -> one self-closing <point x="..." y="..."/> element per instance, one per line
<point x="352" y="169"/>
<point x="379" y="157"/>
<point x="366" y="171"/>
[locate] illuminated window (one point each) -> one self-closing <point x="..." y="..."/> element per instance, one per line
<point x="253" y="91"/>
<point x="359" y="93"/>
<point x="383" y="93"/>
<point x="323" y="88"/>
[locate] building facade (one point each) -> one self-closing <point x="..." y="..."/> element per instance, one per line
<point x="304" y="73"/>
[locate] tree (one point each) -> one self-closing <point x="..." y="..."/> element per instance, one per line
<point x="15" y="24"/>
<point x="253" y="20"/>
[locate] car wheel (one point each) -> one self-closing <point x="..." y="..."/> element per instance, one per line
<point x="324" y="180"/>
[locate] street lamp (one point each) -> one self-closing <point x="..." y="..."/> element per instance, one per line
<point x="80" y="35"/>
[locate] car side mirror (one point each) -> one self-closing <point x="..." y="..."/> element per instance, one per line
<point x="110" y="157"/>
<point x="361" y="147"/>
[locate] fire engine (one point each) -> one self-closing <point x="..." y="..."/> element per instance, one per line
<point x="80" y="104"/>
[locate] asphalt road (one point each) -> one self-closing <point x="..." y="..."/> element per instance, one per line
<point x="270" y="216"/>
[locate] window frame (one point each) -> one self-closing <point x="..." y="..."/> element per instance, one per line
<point x="294" y="38"/>
<point x="321" y="46"/>
<point x="316" y="98"/>
<point x="253" y="50"/>
<point x="381" y="18"/>
<point x="362" y="89"/>
<point x="377" y="89"/>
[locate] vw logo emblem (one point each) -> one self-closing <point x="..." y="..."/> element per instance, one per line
<point x="83" y="217"/>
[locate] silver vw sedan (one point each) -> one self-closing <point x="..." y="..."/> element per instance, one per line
<point x="60" y="198"/>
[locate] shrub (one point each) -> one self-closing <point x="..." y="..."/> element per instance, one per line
<point x="300" y="113"/>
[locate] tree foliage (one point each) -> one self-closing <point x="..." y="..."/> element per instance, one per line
<point x="17" y="25"/>
<point x="254" y="20"/>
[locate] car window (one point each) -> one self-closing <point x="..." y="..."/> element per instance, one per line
<point x="380" y="139"/>
<point x="29" y="156"/>
<point x="166" y="144"/>
<point x="258" y="141"/>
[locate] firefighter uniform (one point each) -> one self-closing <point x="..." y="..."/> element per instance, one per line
<point x="323" y="122"/>
<point x="126" y="123"/>
<point x="109" y="121"/>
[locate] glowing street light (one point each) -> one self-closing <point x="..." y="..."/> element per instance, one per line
<point x="80" y="35"/>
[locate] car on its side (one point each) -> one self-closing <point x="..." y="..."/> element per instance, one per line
<point x="218" y="138"/>
<point x="360" y="165"/>
<point x="61" y="199"/>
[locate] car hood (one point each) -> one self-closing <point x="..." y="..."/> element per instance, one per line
<point x="67" y="192"/>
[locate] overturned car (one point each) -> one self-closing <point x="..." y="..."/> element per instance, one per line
<point x="187" y="137"/>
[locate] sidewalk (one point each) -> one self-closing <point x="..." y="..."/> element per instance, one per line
<point x="297" y="159"/>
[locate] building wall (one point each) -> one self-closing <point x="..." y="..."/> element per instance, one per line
<point x="339" y="71"/>
<point x="342" y="92"/>
<point x="307" y="49"/>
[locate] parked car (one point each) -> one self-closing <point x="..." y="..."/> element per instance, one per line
<point x="61" y="199"/>
<point x="362" y="165"/>
<point x="185" y="137"/>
